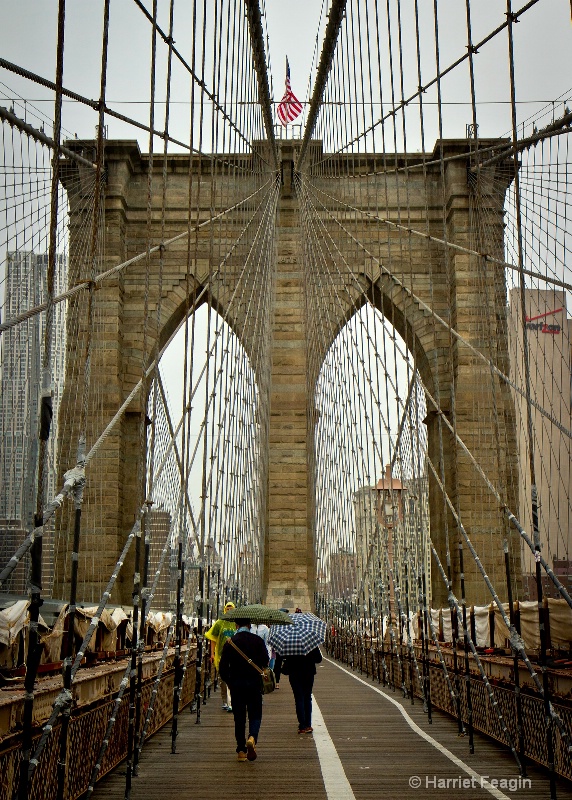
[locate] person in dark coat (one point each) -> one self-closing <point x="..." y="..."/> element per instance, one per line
<point x="245" y="686"/>
<point x="301" y="671"/>
<point x="277" y="666"/>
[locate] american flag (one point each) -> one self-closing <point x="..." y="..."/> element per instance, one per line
<point x="289" y="107"/>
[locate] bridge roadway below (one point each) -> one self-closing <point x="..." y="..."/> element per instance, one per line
<point x="368" y="743"/>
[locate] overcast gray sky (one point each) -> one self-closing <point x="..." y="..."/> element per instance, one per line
<point x="543" y="54"/>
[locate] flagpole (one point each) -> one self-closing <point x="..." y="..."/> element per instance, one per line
<point x="286" y="73"/>
<point x="289" y="107"/>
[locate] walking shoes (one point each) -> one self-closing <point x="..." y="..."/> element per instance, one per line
<point x="242" y="756"/>
<point x="251" y="749"/>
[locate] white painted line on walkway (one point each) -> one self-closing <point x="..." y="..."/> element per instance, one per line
<point x="481" y="781"/>
<point x="335" y="782"/>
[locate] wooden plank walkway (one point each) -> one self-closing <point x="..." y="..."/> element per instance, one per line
<point x="380" y="753"/>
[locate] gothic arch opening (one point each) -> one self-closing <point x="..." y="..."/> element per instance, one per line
<point x="371" y="511"/>
<point x="209" y="390"/>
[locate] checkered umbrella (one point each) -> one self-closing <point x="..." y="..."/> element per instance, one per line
<point x="307" y="632"/>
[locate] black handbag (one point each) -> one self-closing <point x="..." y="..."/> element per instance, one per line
<point x="267" y="677"/>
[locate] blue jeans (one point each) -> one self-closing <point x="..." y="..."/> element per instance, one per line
<point x="302" y="689"/>
<point x="246" y="699"/>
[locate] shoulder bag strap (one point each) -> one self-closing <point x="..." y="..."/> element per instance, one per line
<point x="250" y="661"/>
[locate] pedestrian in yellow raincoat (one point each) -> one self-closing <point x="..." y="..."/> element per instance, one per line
<point x="218" y="635"/>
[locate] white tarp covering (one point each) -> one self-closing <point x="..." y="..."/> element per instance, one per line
<point x="529" y="629"/>
<point x="107" y="626"/>
<point x="413" y="626"/>
<point x="435" y="615"/>
<point x="118" y="615"/>
<point x="560" y="620"/>
<point x="502" y="634"/>
<point x="379" y="628"/>
<point x="53" y="641"/>
<point x="447" y="625"/>
<point x="482" y="627"/>
<point x="83" y="620"/>
<point x="560" y="615"/>
<point x="13" y="620"/>
<point x="159" y="622"/>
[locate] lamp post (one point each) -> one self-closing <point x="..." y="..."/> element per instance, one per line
<point x="217" y="566"/>
<point x="196" y="704"/>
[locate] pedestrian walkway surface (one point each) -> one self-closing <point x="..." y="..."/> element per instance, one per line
<point x="368" y="743"/>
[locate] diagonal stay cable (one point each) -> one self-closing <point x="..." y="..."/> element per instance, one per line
<point x="107" y="593"/>
<point x="257" y="43"/>
<point x="168" y="40"/>
<point x="445" y="243"/>
<point x="154" y="363"/>
<point x="94" y="104"/>
<point x="447" y="327"/>
<point x="393" y="577"/>
<point x="512" y="518"/>
<point x="270" y="212"/>
<point x="516" y="641"/>
<point x="335" y="17"/>
<point x="41" y="137"/>
<point x="76" y="476"/>
<point x="441" y="74"/>
<point x="106" y="736"/>
<point x="64" y="698"/>
<point x="453" y="601"/>
<point x="10" y="323"/>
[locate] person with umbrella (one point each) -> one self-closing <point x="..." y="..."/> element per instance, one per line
<point x="277" y="665"/>
<point x="241" y="655"/>
<point x="217" y="635"/>
<point x="299" y="647"/>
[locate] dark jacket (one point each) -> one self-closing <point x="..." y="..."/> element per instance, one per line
<point x="300" y="666"/>
<point x="234" y="669"/>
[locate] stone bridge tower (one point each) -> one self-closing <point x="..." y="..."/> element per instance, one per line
<point x="455" y="284"/>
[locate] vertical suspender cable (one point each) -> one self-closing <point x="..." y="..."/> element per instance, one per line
<point x="138" y="642"/>
<point x="257" y="45"/>
<point x="78" y="492"/>
<point x="549" y="732"/>
<point x="454" y="615"/>
<point x="34" y="651"/>
<point x="336" y="15"/>
<point x="200" y="554"/>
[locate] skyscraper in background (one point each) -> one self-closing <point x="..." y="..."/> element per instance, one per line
<point x="367" y="540"/>
<point x="159" y="528"/>
<point x="548" y="335"/>
<point x="21" y="354"/>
